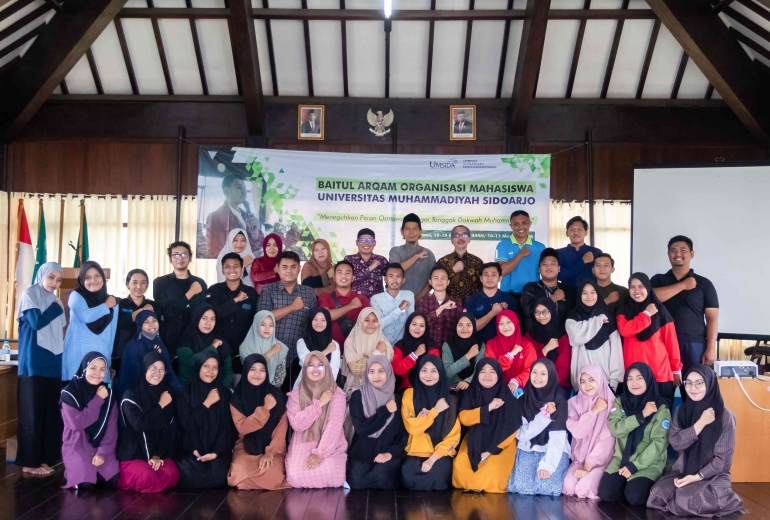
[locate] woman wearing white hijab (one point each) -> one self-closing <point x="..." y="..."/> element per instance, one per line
<point x="237" y="243"/>
<point x="41" y="343"/>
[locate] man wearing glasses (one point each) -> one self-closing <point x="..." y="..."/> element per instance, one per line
<point x="177" y="294"/>
<point x="368" y="268"/>
<point x="464" y="268"/>
<point x="549" y="286"/>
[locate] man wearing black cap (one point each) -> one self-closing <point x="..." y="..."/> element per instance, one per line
<point x="368" y="268"/>
<point x="416" y="260"/>
<point x="548" y="286"/>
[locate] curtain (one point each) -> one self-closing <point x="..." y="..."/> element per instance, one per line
<point x="103" y="214"/>
<point x="612" y="230"/>
<point x="151" y="226"/>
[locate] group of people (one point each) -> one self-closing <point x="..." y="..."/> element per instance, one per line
<point x="533" y="374"/>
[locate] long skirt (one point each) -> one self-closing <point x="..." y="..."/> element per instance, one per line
<point x="524" y="477"/>
<point x="493" y="472"/>
<point x="709" y="497"/>
<point x="363" y="474"/>
<point x="437" y="479"/>
<point x="39" y="430"/>
<point x="246" y="474"/>
<point x="138" y="475"/>
<point x="194" y="474"/>
<point x="586" y="487"/>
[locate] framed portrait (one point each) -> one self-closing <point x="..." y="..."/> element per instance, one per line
<point x="462" y="122"/>
<point x="310" y="122"/>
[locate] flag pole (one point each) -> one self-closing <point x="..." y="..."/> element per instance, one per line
<point x="15" y="265"/>
<point x="79" y="251"/>
<point x="61" y="229"/>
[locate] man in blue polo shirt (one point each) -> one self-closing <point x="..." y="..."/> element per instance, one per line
<point x="519" y="255"/>
<point x="577" y="259"/>
<point x="489" y="302"/>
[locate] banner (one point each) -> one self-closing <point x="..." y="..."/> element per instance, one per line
<point x="309" y="195"/>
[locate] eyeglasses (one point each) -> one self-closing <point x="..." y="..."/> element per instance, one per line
<point x="366" y="240"/>
<point x="320" y="367"/>
<point x="155" y="370"/>
<point x="179" y="256"/>
<point x="697" y="384"/>
<point x="542" y="313"/>
<point x="460" y="235"/>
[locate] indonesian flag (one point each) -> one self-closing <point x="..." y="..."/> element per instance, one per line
<point x="25" y="263"/>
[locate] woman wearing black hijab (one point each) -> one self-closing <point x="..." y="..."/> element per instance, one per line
<point x="461" y="353"/>
<point x="703" y="432"/>
<point x="407" y="351"/>
<point x="549" y="338"/>
<point x="147" y="441"/>
<point x="542" y="454"/>
<point x="488" y="451"/>
<point x="429" y="412"/>
<point x="649" y="335"/>
<point x="203" y="412"/>
<point x="90" y="422"/>
<point x="639" y="421"/>
<point x="593" y="334"/>
<point x="318" y="338"/>
<point x="259" y="413"/>
<point x="93" y="320"/>
<point x="198" y="337"/>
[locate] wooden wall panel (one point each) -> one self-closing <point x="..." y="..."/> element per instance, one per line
<point x="149" y="168"/>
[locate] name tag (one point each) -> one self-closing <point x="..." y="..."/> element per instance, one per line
<point x="246" y="306"/>
<point x="127" y="310"/>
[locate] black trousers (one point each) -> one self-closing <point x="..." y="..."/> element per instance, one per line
<point x="39" y="430"/>
<point x="614" y="487"/>
<point x="437" y="479"/>
<point x="666" y="391"/>
<point x="374" y="475"/>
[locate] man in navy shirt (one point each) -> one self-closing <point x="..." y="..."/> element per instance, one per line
<point x="549" y="286"/>
<point x="487" y="304"/>
<point x="692" y="301"/>
<point x="577" y="259"/>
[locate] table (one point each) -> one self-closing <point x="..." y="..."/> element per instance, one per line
<point x="752" y="428"/>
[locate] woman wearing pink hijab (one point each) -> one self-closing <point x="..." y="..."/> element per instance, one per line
<point x="592" y="442"/>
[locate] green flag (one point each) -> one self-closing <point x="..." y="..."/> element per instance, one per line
<point x="41" y="254"/>
<point x="81" y="253"/>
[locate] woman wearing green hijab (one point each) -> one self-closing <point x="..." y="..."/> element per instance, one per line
<point x="261" y="340"/>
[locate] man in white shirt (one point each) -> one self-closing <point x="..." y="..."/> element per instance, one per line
<point x="394" y="305"/>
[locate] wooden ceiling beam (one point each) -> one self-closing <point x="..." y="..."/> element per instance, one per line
<point x="15" y="8"/>
<point x="648" y="59"/>
<point x="377" y="14"/>
<point x="528" y="65"/>
<point x="162" y="54"/>
<point x="67" y="37"/>
<point x="708" y="42"/>
<point x="308" y="54"/>
<point x="503" y="53"/>
<point x="343" y="28"/>
<point x="431" y="32"/>
<point x="5" y="51"/>
<point x="576" y="51"/>
<point x="94" y="71"/>
<point x="613" y="54"/>
<point x="24" y="21"/>
<point x="126" y="56"/>
<point x="245" y="44"/>
<point x="467" y="57"/>
<point x="270" y="51"/>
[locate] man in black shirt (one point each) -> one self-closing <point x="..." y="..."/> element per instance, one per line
<point x="548" y="286"/>
<point x="615" y="296"/>
<point x="176" y="295"/>
<point x="689" y="297"/>
<point x="235" y="305"/>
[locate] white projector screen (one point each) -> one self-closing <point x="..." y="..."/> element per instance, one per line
<point x="725" y="211"/>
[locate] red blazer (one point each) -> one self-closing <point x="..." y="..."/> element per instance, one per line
<point x="563" y="358"/>
<point x="402" y="365"/>
<point x="516" y="367"/>
<point x="661" y="351"/>
<point x="218" y="226"/>
<point x="327" y="301"/>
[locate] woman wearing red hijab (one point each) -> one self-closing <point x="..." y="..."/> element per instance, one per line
<point x="263" y="270"/>
<point x="514" y="354"/>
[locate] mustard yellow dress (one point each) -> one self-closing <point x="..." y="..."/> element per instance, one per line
<point x="494" y="471"/>
<point x="420" y="446"/>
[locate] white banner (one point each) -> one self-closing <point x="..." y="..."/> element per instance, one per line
<point x="309" y="195"/>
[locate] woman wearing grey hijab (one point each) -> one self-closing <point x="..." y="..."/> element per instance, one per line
<point x="374" y="459"/>
<point x="41" y="342"/>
